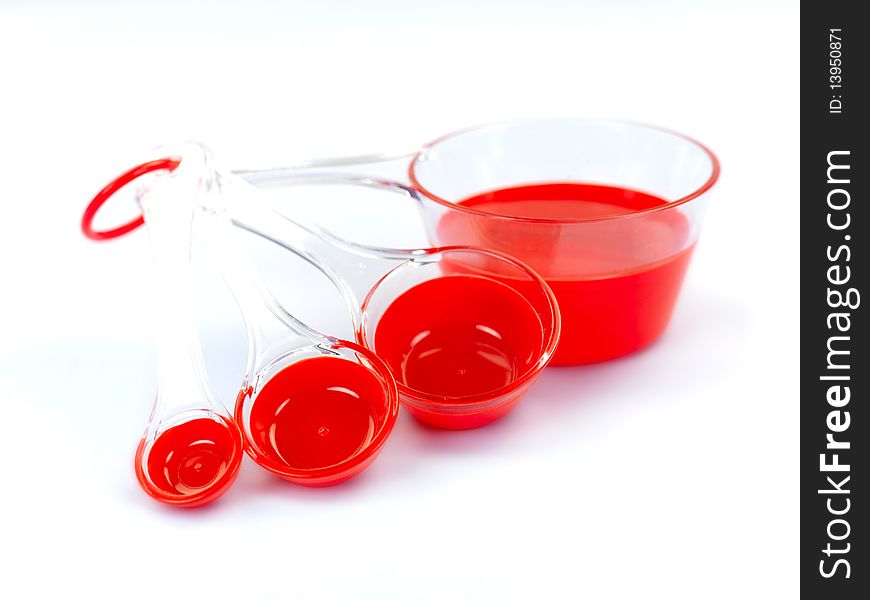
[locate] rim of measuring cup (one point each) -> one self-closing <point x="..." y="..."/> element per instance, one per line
<point x="327" y="474"/>
<point x="715" y="170"/>
<point x="474" y="402"/>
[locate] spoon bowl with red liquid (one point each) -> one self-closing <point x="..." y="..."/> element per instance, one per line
<point x="465" y="335"/>
<point x="607" y="212"/>
<point x="463" y="331"/>
<point x="320" y="415"/>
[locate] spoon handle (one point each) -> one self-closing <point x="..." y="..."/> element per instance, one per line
<point x="182" y="385"/>
<point x="353" y="268"/>
<point x="271" y="330"/>
<point x="392" y="166"/>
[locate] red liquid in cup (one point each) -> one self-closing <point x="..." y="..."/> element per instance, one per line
<point x="318" y="413"/>
<point x="616" y="280"/>
<point x="191" y="463"/>
<point x="457" y="337"/>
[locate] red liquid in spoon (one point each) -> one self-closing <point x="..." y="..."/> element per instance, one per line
<point x="316" y="414"/>
<point x="191" y="463"/>
<point x="458" y="339"/>
<point x="616" y="280"/>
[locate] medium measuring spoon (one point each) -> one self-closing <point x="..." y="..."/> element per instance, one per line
<point x="314" y="409"/>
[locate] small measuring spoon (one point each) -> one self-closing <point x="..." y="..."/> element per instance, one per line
<point x="464" y="331"/>
<point x="191" y="450"/>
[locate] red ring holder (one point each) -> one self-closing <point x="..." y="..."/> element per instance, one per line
<point x="160" y="164"/>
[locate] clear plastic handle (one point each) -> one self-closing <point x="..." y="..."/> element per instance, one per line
<point x="271" y="330"/>
<point x="387" y="167"/>
<point x="167" y="208"/>
<point x="353" y="268"/>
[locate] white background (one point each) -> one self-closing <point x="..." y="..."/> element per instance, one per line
<point x="672" y="473"/>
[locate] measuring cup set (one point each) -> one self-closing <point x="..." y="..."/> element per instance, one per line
<point x="555" y="240"/>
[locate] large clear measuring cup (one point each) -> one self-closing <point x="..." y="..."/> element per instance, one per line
<point x="607" y="212"/>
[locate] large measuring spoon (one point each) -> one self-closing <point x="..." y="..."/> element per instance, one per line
<point x="464" y="331"/>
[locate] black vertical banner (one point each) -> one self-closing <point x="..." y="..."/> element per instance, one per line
<point x="835" y="362"/>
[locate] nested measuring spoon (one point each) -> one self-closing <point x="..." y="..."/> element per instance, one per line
<point x="191" y="450"/>
<point x="464" y="331"/>
<point x="316" y="409"/>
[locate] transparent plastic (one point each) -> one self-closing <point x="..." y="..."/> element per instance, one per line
<point x="617" y="276"/>
<point x="191" y="450"/>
